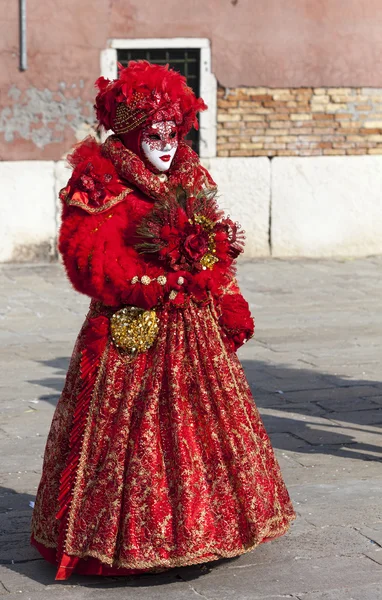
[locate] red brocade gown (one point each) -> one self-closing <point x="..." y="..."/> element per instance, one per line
<point x="155" y="459"/>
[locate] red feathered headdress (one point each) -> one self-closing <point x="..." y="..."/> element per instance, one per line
<point x="145" y="93"/>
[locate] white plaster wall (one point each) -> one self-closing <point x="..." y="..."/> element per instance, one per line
<point x="62" y="173"/>
<point x="320" y="206"/>
<point x="327" y="206"/>
<point x="244" y="193"/>
<point x="27" y="210"/>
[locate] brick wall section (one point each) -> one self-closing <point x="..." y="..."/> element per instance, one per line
<point x="299" y="121"/>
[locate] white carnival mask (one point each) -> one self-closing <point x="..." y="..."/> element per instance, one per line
<point x="159" y="144"/>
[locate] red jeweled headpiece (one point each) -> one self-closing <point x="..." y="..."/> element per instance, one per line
<point x="146" y="93"/>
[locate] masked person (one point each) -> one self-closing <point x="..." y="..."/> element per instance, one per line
<point x="156" y="456"/>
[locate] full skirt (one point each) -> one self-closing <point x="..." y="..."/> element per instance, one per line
<point x="156" y="461"/>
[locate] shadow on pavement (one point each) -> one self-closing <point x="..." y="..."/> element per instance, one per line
<point x="326" y="413"/>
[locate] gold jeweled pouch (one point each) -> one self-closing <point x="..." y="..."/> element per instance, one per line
<point x="134" y="329"/>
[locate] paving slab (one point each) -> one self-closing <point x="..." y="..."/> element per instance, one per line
<point x="363" y="592"/>
<point x="314" y="369"/>
<point x="294" y="578"/>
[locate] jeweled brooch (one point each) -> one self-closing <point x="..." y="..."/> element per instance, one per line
<point x="134" y="329"/>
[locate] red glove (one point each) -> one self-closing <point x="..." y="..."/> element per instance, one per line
<point x="236" y="319"/>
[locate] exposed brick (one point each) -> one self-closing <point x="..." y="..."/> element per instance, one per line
<point x="227" y="103"/>
<point x="318" y="108"/>
<point x="330" y="137"/>
<point x="288" y="152"/>
<point x="320" y="100"/>
<point x="249" y="104"/>
<point x="367" y="131"/>
<point x="261" y="138"/>
<point x="284" y="138"/>
<point x="333" y="152"/>
<point x="373" y="124"/>
<point x="264" y="111"/>
<point x="325" y="123"/>
<point x="331" y="107"/>
<point x="261" y="97"/>
<point x="323" y="117"/>
<point x="372" y="138"/>
<point x="345" y="145"/>
<point x="274" y="146"/>
<point x="363" y="98"/>
<point x="343" y="116"/>
<point x="337" y="90"/>
<point x="282" y="90"/>
<point x="238" y="138"/>
<point x="277" y="124"/>
<point x="222" y="118"/>
<point x="231" y="124"/>
<point x="312" y="138"/>
<point x="301" y="117"/>
<point x="255" y="131"/>
<point x="262" y="121"/>
<point x="350" y="124"/>
<point x="302" y="124"/>
<point x="277" y="132"/>
<point x="251" y="145"/>
<point x="358" y="138"/>
<point x="240" y="153"/>
<point x="256" y="90"/>
<point x="302" y="131"/>
<point x="344" y="99"/>
<point x="284" y="97"/>
<point x="253" y="118"/>
<point x="227" y="146"/>
<point x="326" y="130"/>
<point x="278" y="117"/>
<point x="264" y="153"/>
<point x="239" y="111"/>
<point x="311" y="152"/>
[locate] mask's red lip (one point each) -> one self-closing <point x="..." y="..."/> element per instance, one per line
<point x="165" y="157"/>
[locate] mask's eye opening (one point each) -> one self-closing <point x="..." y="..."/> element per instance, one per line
<point x="154" y="136"/>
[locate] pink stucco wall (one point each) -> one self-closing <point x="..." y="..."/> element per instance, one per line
<point x="293" y="43"/>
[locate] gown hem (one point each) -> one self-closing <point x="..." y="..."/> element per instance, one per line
<point x="97" y="566"/>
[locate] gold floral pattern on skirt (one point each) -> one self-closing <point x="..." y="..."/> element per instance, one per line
<point x="175" y="465"/>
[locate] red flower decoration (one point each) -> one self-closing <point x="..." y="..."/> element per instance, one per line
<point x="196" y="244"/>
<point x="190" y="233"/>
<point x="93" y="174"/>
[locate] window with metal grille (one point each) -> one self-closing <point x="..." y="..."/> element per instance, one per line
<point x="184" y="60"/>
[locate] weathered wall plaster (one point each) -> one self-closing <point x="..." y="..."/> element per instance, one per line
<point x="254" y="43"/>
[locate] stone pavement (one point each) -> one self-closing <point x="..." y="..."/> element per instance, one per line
<point x="315" y="370"/>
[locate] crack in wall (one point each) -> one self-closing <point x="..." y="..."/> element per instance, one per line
<point x="270" y="209"/>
